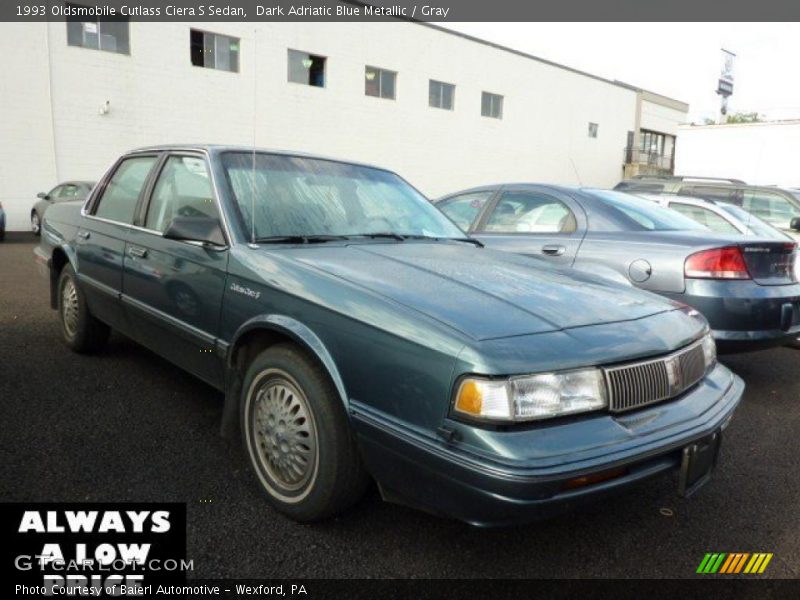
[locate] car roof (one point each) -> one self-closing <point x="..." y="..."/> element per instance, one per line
<point x="219" y="148"/>
<point x="704" y="181"/>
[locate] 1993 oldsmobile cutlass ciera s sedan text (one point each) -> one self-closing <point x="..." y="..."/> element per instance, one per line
<point x="356" y="332"/>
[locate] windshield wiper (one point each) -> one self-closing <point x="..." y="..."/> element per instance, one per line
<point x="299" y="239"/>
<point x="468" y="240"/>
<point x="382" y="234"/>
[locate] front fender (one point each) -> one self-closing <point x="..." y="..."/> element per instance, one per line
<point x="291" y="328"/>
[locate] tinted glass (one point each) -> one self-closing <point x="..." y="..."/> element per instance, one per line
<point x="772" y="208"/>
<point x="755" y="225"/>
<point x="465" y="209"/>
<point x="122" y="192"/>
<point x="623" y="212"/>
<point x="289" y="195"/>
<point x="183" y="189"/>
<point x="704" y="216"/>
<point x="530" y="213"/>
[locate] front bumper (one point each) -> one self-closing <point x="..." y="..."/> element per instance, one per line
<point x="523" y="478"/>
<point x="744" y="315"/>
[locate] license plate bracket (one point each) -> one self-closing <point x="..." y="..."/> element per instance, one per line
<point x="697" y="464"/>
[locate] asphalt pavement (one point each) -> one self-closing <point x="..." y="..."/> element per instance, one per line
<point x="126" y="425"/>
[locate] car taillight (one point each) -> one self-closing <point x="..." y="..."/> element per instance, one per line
<point x="719" y="263"/>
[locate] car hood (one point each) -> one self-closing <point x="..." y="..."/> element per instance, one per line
<point x="482" y="293"/>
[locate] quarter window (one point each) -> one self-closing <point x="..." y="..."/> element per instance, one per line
<point x="118" y="202"/>
<point x="379" y="82"/>
<point x="110" y="35"/>
<point x="492" y="105"/>
<point x="306" y="68"/>
<point x="464" y="209"/>
<point x="214" y="51"/>
<point x="183" y="189"/>
<point x="441" y="95"/>
<point x="531" y="213"/>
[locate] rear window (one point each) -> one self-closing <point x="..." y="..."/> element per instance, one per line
<point x="118" y="202"/>
<point x="623" y="212"/>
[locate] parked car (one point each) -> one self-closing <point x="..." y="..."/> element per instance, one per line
<point x="778" y="207"/>
<point x="2" y="223"/>
<point x="746" y="287"/>
<point x="355" y="330"/>
<point x="721" y="217"/>
<point x="63" y="192"/>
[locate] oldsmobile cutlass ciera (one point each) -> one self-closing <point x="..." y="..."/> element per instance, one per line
<point x="356" y="332"/>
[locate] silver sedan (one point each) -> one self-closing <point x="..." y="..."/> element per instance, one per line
<point x="747" y="287"/>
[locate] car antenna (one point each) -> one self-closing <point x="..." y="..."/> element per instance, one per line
<point x="577" y="175"/>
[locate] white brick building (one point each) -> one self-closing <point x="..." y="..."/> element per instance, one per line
<point x="56" y="125"/>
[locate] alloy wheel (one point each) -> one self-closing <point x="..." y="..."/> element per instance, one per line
<point x="69" y="307"/>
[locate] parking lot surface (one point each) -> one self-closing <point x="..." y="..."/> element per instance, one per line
<point x="126" y="425"/>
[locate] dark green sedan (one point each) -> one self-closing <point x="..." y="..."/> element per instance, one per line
<point x="357" y="333"/>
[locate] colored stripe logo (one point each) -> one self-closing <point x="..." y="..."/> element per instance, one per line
<point x="733" y="563"/>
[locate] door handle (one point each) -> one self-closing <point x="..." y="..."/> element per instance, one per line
<point x="137" y="252"/>
<point x="554" y="250"/>
<point x="84" y="235"/>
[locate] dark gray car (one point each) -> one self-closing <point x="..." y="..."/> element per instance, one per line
<point x="747" y="288"/>
<point x="69" y="190"/>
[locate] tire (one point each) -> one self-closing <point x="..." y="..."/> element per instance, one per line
<point x="795" y="343"/>
<point x="80" y="329"/>
<point x="297" y="437"/>
<point x="36" y="223"/>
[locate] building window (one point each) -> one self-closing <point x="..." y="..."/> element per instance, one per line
<point x="441" y="95"/>
<point x="593" y="130"/>
<point x="379" y="82"/>
<point x="214" y="51"/>
<point x="492" y="105"/>
<point x="110" y="35"/>
<point x="306" y="68"/>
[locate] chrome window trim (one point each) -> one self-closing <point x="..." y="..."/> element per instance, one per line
<point x="170" y="152"/>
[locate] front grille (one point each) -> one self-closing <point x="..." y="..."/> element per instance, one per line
<point x="638" y="384"/>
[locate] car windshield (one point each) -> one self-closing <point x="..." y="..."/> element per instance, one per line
<point x="638" y="214"/>
<point x="753" y="223"/>
<point x="288" y="196"/>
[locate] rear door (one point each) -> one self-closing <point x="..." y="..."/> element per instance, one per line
<point x="173" y="289"/>
<point x="536" y="223"/>
<point x="100" y="242"/>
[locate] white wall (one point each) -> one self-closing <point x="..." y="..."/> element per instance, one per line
<point x="660" y="118"/>
<point x="758" y="153"/>
<point x="157" y="96"/>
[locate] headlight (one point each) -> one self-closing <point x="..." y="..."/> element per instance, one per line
<point x="709" y="351"/>
<point x="531" y="397"/>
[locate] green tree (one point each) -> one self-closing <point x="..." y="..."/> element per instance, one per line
<point x="744" y="117"/>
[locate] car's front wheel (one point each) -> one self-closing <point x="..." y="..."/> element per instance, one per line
<point x="297" y="437"/>
<point x="36" y="223"/>
<point x="80" y="329"/>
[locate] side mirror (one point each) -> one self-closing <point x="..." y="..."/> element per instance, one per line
<point x="196" y="229"/>
<point x="43" y="196"/>
<point x="795" y="224"/>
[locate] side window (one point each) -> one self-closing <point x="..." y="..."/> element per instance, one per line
<point x="118" y="202"/>
<point x="772" y="208"/>
<point x="722" y="194"/>
<point x="464" y="209"/>
<point x="183" y="189"/>
<point x="704" y="216"/>
<point x="68" y="191"/>
<point x="531" y="213"/>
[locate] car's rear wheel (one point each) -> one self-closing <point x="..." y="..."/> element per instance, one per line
<point x="297" y="437"/>
<point x="80" y="329"/>
<point x="36" y="223"/>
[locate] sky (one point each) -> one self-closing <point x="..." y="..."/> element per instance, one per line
<point x="679" y="60"/>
